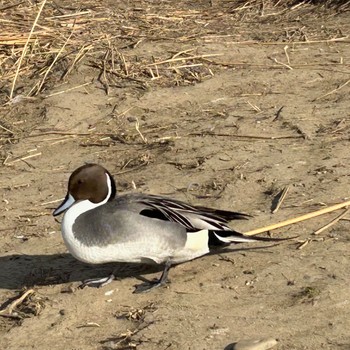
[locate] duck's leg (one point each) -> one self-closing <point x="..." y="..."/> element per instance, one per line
<point x="146" y="287"/>
<point x="97" y="282"/>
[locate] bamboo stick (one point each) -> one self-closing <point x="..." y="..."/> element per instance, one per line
<point x="297" y="219"/>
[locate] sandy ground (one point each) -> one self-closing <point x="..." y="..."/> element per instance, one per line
<point x="222" y="141"/>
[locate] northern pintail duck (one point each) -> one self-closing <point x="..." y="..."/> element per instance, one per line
<point x="100" y="226"/>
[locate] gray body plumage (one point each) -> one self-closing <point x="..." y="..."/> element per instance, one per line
<point x="120" y="221"/>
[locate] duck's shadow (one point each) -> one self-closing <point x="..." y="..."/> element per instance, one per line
<point x="21" y="270"/>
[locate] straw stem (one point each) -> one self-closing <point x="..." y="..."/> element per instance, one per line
<point x="298" y="219"/>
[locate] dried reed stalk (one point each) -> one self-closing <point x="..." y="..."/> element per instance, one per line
<point x="297" y="219"/>
<point x="333" y="222"/>
<point x="25" y="49"/>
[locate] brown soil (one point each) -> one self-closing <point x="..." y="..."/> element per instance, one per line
<point x="228" y="131"/>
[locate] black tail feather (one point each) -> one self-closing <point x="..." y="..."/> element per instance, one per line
<point x="222" y="238"/>
<point x="223" y="214"/>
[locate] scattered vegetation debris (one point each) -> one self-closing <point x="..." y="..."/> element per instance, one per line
<point x="126" y="340"/>
<point x="308" y="294"/>
<point x="28" y="304"/>
<point x="136" y="314"/>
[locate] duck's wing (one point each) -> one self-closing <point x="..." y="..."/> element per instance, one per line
<point x="191" y="217"/>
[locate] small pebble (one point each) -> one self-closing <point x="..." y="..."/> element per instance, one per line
<point x="131" y="119"/>
<point x="251" y="344"/>
<point x="225" y="157"/>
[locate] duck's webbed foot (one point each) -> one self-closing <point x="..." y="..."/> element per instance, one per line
<point x="97" y="282"/>
<point x="148" y="286"/>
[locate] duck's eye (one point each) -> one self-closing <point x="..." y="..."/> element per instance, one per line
<point x="80" y="182"/>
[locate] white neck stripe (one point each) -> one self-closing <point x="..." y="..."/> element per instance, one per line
<point x="109" y="185"/>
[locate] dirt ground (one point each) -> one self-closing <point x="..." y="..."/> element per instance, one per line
<point x="267" y="108"/>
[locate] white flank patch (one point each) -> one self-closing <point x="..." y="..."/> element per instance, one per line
<point x="198" y="242"/>
<point x="196" y="246"/>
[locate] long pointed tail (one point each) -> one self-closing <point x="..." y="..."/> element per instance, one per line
<point x="219" y="237"/>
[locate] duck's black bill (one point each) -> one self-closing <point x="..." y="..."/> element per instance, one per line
<point x="67" y="202"/>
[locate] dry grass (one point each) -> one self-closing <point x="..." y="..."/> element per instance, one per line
<point x="41" y="44"/>
<point x="35" y="45"/>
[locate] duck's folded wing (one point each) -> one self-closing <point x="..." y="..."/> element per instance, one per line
<point x="191" y="217"/>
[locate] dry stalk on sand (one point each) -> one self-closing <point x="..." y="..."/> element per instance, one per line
<point x="303" y="218"/>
